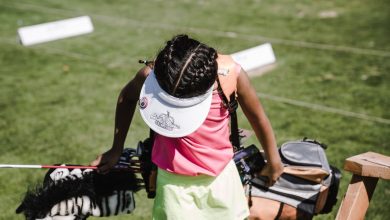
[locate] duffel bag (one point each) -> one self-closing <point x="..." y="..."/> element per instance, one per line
<point x="308" y="182"/>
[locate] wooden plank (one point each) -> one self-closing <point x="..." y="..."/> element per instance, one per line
<point x="369" y="164"/>
<point x="356" y="201"/>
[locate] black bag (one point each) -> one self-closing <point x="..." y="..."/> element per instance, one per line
<point x="249" y="161"/>
<point x="148" y="168"/>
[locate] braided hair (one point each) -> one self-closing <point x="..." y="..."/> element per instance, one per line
<point x="186" y="68"/>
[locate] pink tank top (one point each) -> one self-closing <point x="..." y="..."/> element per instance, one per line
<point x="205" y="151"/>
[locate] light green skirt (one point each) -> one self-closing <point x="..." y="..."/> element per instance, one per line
<point x="200" y="197"/>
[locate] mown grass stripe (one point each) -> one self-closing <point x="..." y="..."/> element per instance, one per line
<point x="226" y="34"/>
<point x="274" y="98"/>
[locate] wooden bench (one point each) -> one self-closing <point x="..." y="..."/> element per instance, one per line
<point x="366" y="168"/>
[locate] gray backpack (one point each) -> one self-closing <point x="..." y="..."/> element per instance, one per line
<point x="308" y="183"/>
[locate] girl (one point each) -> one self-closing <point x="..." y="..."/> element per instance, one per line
<point x="181" y="99"/>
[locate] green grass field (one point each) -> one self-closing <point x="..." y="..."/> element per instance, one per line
<point x="57" y="100"/>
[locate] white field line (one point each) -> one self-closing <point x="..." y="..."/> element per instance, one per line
<point x="226" y="34"/>
<point x="53" y="50"/>
<point x="323" y="108"/>
<point x="73" y="55"/>
<point x="261" y="95"/>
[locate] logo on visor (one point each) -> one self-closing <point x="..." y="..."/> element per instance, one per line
<point x="165" y="121"/>
<point x="143" y="102"/>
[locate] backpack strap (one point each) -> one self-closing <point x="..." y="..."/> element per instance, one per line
<point x="232" y="106"/>
<point x="227" y="87"/>
<point x="280" y="211"/>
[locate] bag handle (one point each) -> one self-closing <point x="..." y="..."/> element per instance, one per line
<point x="324" y="146"/>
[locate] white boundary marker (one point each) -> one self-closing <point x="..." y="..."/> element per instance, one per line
<point x="55" y="30"/>
<point x="256" y="58"/>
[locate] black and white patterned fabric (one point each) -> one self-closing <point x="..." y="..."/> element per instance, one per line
<point x="119" y="202"/>
<point x="68" y="194"/>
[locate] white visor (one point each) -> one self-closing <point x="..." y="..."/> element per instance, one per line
<point x="171" y="116"/>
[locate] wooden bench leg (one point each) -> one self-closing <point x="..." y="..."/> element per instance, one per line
<point x="355" y="203"/>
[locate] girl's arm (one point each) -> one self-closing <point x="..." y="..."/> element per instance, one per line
<point x="254" y="111"/>
<point x="125" y="108"/>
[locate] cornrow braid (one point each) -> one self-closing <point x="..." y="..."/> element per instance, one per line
<point x="186" y="68"/>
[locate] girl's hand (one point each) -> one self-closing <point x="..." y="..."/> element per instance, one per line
<point x="106" y="161"/>
<point x="273" y="172"/>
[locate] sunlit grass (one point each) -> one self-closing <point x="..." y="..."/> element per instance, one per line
<point x="57" y="100"/>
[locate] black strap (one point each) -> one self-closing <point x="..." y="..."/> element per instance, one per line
<point x="280" y="211"/>
<point x="250" y="203"/>
<point x="232" y="107"/>
<point x="151" y="135"/>
<point x="234" y="136"/>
